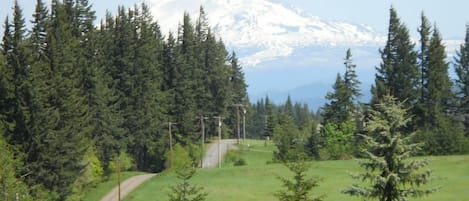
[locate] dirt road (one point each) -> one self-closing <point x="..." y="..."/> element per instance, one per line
<point x="210" y="161"/>
<point x="127" y="186"/>
<point x="211" y="154"/>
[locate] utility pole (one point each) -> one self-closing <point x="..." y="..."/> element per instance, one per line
<point x="202" y="124"/>
<point x="219" y="139"/>
<point x="170" y="143"/>
<point x="244" y="125"/>
<point x="119" y="178"/>
<point x="237" y="117"/>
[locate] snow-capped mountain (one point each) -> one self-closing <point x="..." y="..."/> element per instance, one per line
<point x="284" y="50"/>
<point x="265" y="30"/>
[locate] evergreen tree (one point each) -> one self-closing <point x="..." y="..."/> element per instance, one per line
<point x="7" y="99"/>
<point x="146" y="144"/>
<point x="425" y="32"/>
<point x="300" y="188"/>
<point x="97" y="86"/>
<point x="392" y="174"/>
<point x="237" y="81"/>
<point x="269" y="119"/>
<point x="439" y="85"/>
<point x="63" y="143"/>
<point x="288" y="140"/>
<point x="351" y="80"/>
<point x="39" y="30"/>
<point x="443" y="134"/>
<point x="422" y="56"/>
<point x="303" y="116"/>
<point x="462" y="81"/>
<point x="288" y="108"/>
<point x="336" y="111"/>
<point x="314" y="142"/>
<point x="398" y="73"/>
<point x="185" y="89"/>
<point x="343" y="100"/>
<point x="15" y="52"/>
<point x="11" y="188"/>
<point x="185" y="191"/>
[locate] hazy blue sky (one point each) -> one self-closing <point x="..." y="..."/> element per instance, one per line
<point x="451" y="16"/>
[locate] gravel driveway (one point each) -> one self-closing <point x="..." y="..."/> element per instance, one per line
<point x="211" y="154"/>
<point x="127" y="186"/>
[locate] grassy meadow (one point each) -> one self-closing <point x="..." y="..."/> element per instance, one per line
<point x="257" y="181"/>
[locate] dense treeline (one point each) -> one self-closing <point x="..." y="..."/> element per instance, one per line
<point x="416" y="75"/>
<point x="76" y="97"/>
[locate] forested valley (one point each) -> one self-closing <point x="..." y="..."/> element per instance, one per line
<point x="79" y="96"/>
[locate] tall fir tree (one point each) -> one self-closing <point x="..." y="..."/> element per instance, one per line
<point x="146" y="143"/>
<point x="351" y="81"/>
<point x="336" y="111"/>
<point x="398" y="73"/>
<point x="462" y="82"/>
<point x="442" y="133"/>
<point x="269" y="119"/>
<point x="422" y="57"/>
<point x="62" y="145"/>
<point x="344" y="99"/>
<point x="237" y="80"/>
<point x="16" y="54"/>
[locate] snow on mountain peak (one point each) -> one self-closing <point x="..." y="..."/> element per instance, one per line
<point x="269" y="29"/>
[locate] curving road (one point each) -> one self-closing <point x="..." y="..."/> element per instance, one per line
<point x="210" y="161"/>
<point x="127" y="186"/>
<point x="211" y="154"/>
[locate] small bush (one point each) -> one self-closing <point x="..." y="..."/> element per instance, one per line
<point x="240" y="162"/>
<point x="235" y="158"/>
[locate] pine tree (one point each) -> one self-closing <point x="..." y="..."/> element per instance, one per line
<point x="392" y="174"/>
<point x="300" y="188"/>
<point x="146" y="144"/>
<point x="398" y="73"/>
<point x="238" y="83"/>
<point x="185" y="89"/>
<point x="344" y="98"/>
<point x="288" y="140"/>
<point x="63" y="142"/>
<point x="15" y="52"/>
<point x="337" y="110"/>
<point x="462" y="82"/>
<point x="351" y="80"/>
<point x="443" y="134"/>
<point x="425" y="32"/>
<point x="7" y="99"/>
<point x="269" y="119"/>
<point x="10" y="187"/>
<point x="439" y="85"/>
<point x="39" y="30"/>
<point x="185" y="191"/>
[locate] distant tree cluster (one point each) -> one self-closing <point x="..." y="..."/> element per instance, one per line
<point x="75" y="97"/>
<point x="288" y="126"/>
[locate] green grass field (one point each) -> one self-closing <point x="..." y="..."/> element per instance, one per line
<point x="257" y="181"/>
